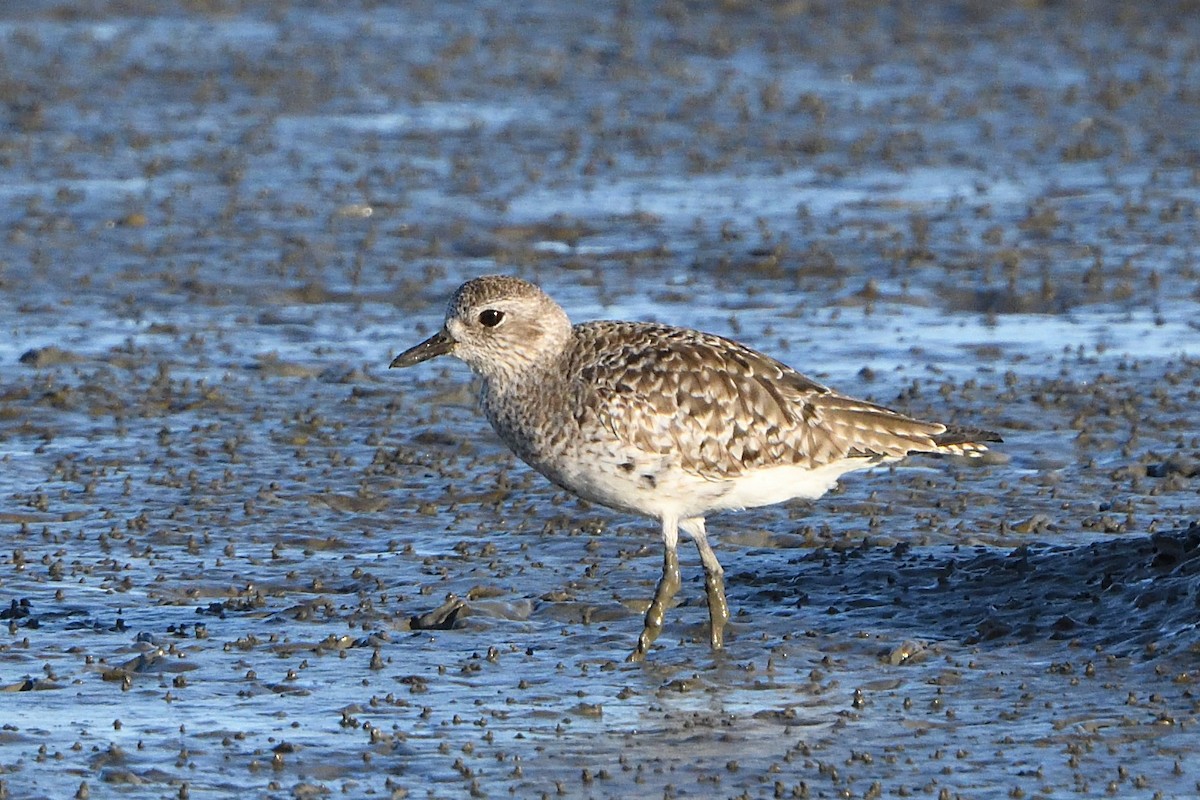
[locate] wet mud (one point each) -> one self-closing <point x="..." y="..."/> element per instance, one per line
<point x="241" y="558"/>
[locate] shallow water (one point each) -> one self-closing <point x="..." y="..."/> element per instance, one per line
<point x="223" y="514"/>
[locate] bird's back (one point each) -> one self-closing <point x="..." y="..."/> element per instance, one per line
<point x="723" y="409"/>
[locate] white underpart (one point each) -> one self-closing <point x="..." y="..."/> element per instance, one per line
<point x="770" y="485"/>
<point x="681" y="495"/>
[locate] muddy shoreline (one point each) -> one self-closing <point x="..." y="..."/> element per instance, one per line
<point x="222" y="514"/>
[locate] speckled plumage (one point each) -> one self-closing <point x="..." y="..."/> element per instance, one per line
<point x="666" y="422"/>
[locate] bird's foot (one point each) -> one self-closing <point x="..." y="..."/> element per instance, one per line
<point x="718" y="608"/>
<point x="668" y="585"/>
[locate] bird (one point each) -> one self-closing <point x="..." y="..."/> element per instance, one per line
<point x="665" y="422"/>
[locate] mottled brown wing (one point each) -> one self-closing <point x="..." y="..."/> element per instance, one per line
<point x="723" y="408"/>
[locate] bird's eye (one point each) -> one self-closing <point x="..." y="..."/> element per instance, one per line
<point x="490" y="317"/>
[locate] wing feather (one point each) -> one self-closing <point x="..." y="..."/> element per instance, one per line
<point x="721" y="408"/>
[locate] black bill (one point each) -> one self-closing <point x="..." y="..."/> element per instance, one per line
<point x="437" y="345"/>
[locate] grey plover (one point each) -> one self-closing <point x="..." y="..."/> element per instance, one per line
<point x="666" y="422"/>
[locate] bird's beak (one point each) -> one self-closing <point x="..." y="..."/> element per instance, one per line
<point x="439" y="344"/>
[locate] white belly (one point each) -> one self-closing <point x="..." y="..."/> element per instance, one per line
<point x="772" y="485"/>
<point x="658" y="490"/>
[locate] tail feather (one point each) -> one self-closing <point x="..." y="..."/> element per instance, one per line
<point x="965" y="441"/>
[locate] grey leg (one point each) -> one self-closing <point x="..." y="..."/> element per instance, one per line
<point x="714" y="581"/>
<point x="668" y="585"/>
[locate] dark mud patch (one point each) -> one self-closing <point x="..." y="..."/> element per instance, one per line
<point x="1133" y="596"/>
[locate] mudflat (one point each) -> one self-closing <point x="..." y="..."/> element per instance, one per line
<point x="240" y="558"/>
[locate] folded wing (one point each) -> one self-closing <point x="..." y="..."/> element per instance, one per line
<point x="722" y="409"/>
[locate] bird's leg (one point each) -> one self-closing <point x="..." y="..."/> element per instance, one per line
<point x="668" y="585"/>
<point x="714" y="582"/>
